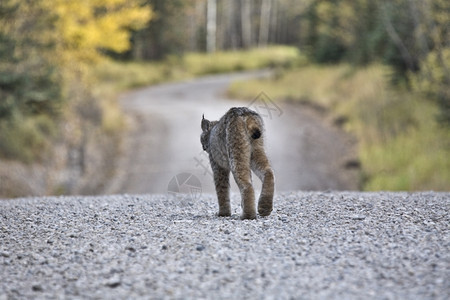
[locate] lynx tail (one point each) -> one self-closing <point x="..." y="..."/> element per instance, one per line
<point x="253" y="128"/>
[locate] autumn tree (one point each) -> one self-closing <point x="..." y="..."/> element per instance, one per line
<point x="42" y="39"/>
<point x="46" y="49"/>
<point x="86" y="27"/>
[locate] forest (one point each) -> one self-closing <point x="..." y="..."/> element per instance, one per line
<point x="51" y="51"/>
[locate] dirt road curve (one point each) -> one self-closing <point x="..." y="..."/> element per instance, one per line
<point x="306" y="154"/>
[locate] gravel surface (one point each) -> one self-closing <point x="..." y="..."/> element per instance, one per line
<point x="338" y="245"/>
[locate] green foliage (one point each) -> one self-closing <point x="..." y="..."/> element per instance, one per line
<point x="31" y="91"/>
<point x="29" y="81"/>
<point x="26" y="139"/>
<point x="433" y="81"/>
<point x="399" y="33"/>
<point x="166" y="34"/>
<point x="47" y="48"/>
<point x="415" y="160"/>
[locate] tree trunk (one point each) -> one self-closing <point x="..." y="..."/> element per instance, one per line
<point x="273" y="23"/>
<point x="246" y="23"/>
<point x="211" y="24"/>
<point x="232" y="35"/>
<point x="396" y="39"/>
<point x="264" y="24"/>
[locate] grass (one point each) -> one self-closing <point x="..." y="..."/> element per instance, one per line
<point x="26" y="139"/>
<point x="401" y="146"/>
<point x="259" y="58"/>
<point x="114" y="76"/>
<point x="119" y="76"/>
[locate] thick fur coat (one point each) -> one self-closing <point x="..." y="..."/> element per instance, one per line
<point x="235" y="144"/>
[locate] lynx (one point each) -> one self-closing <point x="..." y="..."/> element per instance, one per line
<point x="235" y="143"/>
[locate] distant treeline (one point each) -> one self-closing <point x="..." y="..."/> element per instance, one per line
<point x="400" y="32"/>
<point x="46" y="44"/>
<point x="412" y="36"/>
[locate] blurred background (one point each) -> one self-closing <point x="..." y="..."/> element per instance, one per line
<point x="378" y="70"/>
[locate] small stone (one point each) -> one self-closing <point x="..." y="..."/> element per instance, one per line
<point x="113" y="282"/>
<point x="164" y="247"/>
<point x="200" y="248"/>
<point x="357" y="217"/>
<point x="37" y="288"/>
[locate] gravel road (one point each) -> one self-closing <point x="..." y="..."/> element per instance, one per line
<point x="315" y="245"/>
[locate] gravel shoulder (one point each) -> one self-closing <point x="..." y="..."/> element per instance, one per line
<point x="315" y="245"/>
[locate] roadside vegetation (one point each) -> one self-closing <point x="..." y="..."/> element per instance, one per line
<point x="47" y="50"/>
<point x="122" y="75"/>
<point x="402" y="143"/>
<point x="56" y="132"/>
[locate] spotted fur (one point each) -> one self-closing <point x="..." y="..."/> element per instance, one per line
<point x="235" y="144"/>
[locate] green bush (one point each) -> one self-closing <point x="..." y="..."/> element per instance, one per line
<point x="433" y="81"/>
<point x="26" y="139"/>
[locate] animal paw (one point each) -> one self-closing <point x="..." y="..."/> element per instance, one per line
<point x="224" y="213"/>
<point x="264" y="207"/>
<point x="264" y="212"/>
<point x="250" y="216"/>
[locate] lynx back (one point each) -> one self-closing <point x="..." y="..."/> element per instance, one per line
<point x="235" y="144"/>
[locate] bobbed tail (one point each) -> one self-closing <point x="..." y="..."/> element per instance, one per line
<point x="256" y="134"/>
<point x="254" y="127"/>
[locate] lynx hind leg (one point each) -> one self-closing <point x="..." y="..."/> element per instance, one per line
<point x="240" y="153"/>
<point x="222" y="183"/>
<point x="244" y="182"/>
<point x="260" y="165"/>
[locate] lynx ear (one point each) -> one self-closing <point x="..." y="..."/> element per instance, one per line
<point x="205" y="123"/>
